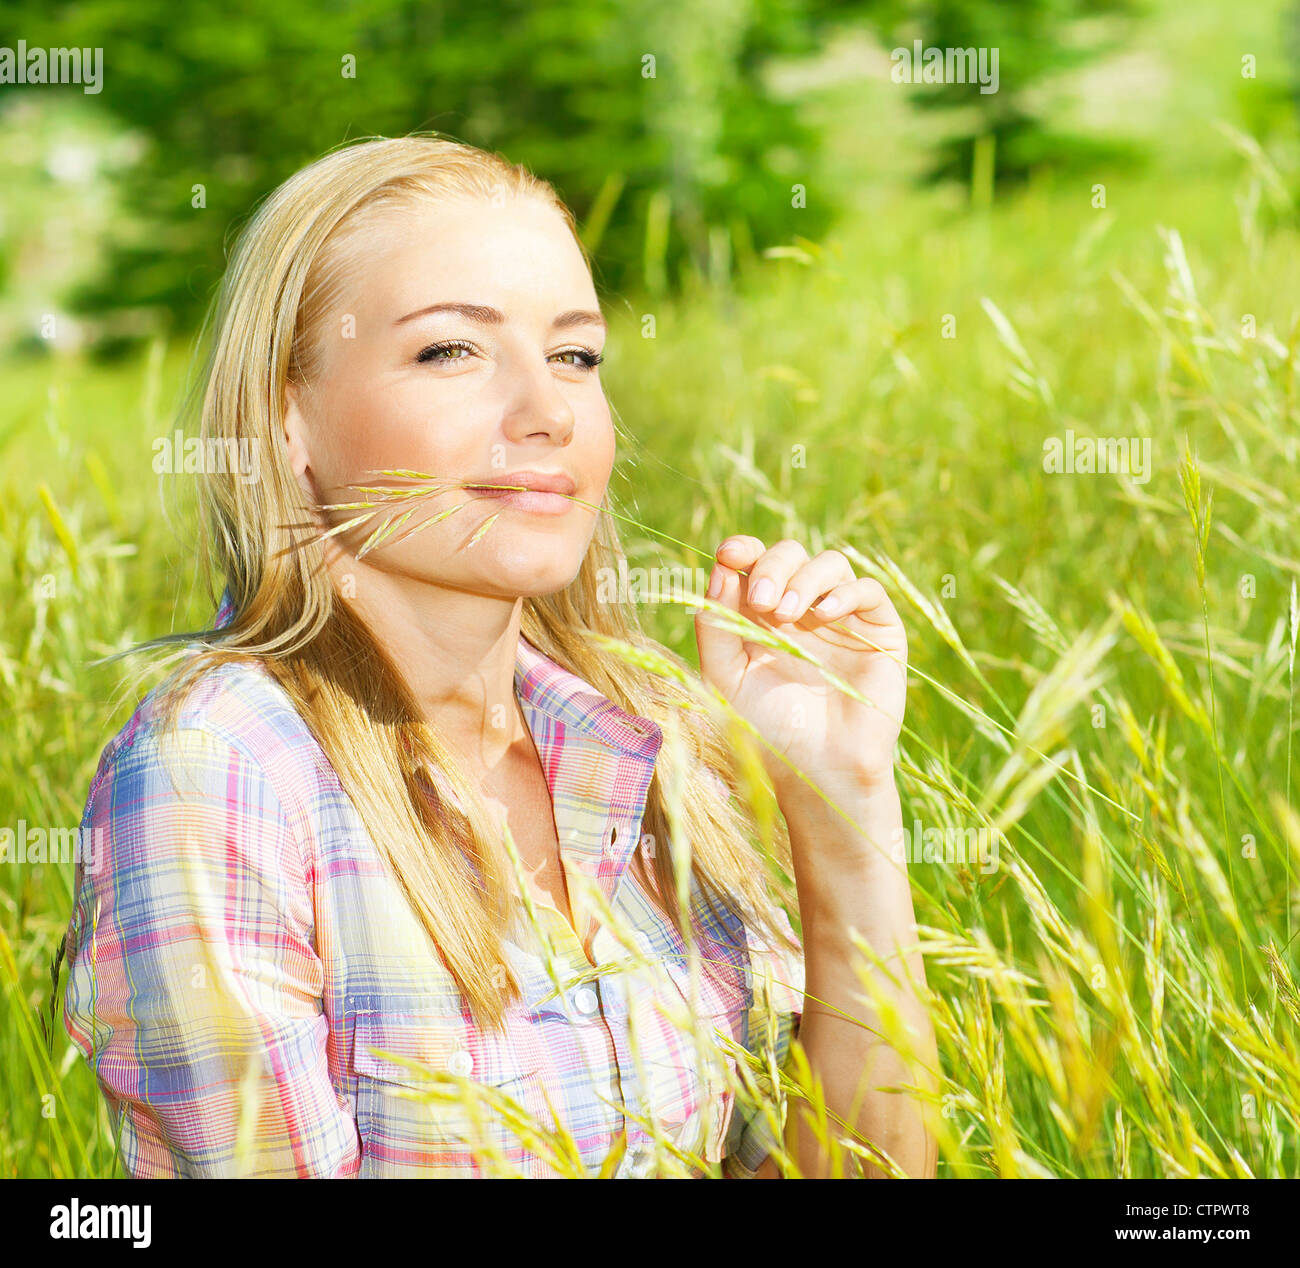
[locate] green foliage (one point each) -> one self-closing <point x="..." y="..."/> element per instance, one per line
<point x="654" y="118"/>
<point x="236" y="96"/>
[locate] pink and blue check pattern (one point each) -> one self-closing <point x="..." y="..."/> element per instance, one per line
<point x="256" y="997"/>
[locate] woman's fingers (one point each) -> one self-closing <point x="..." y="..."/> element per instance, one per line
<point x="784" y="585"/>
<point x="769" y="571"/>
<point x="819" y="576"/>
<point x="863" y="597"/>
<point x="739" y="552"/>
<point x="722" y="653"/>
<point x="783" y="582"/>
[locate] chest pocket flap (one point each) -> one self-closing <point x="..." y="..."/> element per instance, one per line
<point x="412" y="1118"/>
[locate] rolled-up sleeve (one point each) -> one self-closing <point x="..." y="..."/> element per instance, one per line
<point x="194" y="987"/>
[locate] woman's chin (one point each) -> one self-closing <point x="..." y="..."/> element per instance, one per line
<point x="538" y="585"/>
<point x="530" y="573"/>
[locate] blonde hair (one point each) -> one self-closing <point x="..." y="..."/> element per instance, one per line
<point x="286" y="268"/>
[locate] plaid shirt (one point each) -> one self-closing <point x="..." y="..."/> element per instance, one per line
<point x="256" y="997"/>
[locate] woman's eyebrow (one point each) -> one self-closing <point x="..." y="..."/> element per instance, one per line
<point x="487" y="316"/>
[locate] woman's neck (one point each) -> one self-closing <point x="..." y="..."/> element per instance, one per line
<point x="457" y="652"/>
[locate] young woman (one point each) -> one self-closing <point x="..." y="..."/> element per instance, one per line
<point x="402" y="810"/>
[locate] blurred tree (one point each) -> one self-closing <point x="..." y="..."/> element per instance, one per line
<point x="651" y="117"/>
<point x="1003" y="132"/>
<point x="648" y="115"/>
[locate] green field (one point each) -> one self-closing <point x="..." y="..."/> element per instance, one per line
<point x="1104" y="663"/>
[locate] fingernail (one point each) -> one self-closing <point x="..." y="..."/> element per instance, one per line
<point x="829" y="605"/>
<point x="788" y="605"/>
<point x="763" y="593"/>
<point x="715" y="583"/>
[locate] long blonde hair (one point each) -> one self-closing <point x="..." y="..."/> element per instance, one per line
<point x="285" y="270"/>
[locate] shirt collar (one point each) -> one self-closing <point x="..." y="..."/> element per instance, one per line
<point x="546" y="686"/>
<point x="598" y="760"/>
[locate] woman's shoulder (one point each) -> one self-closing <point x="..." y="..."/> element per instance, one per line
<point x="206" y="790"/>
<point x="236" y="705"/>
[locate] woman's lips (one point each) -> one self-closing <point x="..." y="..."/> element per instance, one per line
<point x="542" y="492"/>
<point x="529" y="500"/>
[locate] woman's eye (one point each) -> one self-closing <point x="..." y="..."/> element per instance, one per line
<point x="434" y="350"/>
<point x="585" y="357"/>
<point x="452" y="350"/>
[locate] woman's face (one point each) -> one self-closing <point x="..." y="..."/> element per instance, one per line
<point x="459" y="349"/>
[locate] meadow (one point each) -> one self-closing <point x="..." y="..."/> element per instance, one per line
<point x="1103" y="663"/>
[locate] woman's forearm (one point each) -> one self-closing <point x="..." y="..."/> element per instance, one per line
<point x="852" y="876"/>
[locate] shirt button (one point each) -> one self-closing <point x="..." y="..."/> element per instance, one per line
<point x="636" y="1163"/>
<point x="460" y="1062"/>
<point x="586" y="1001"/>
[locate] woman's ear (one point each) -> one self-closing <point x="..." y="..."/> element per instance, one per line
<point x="295" y="441"/>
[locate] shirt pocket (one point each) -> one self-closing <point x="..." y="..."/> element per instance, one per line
<point x="435" y="1094"/>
